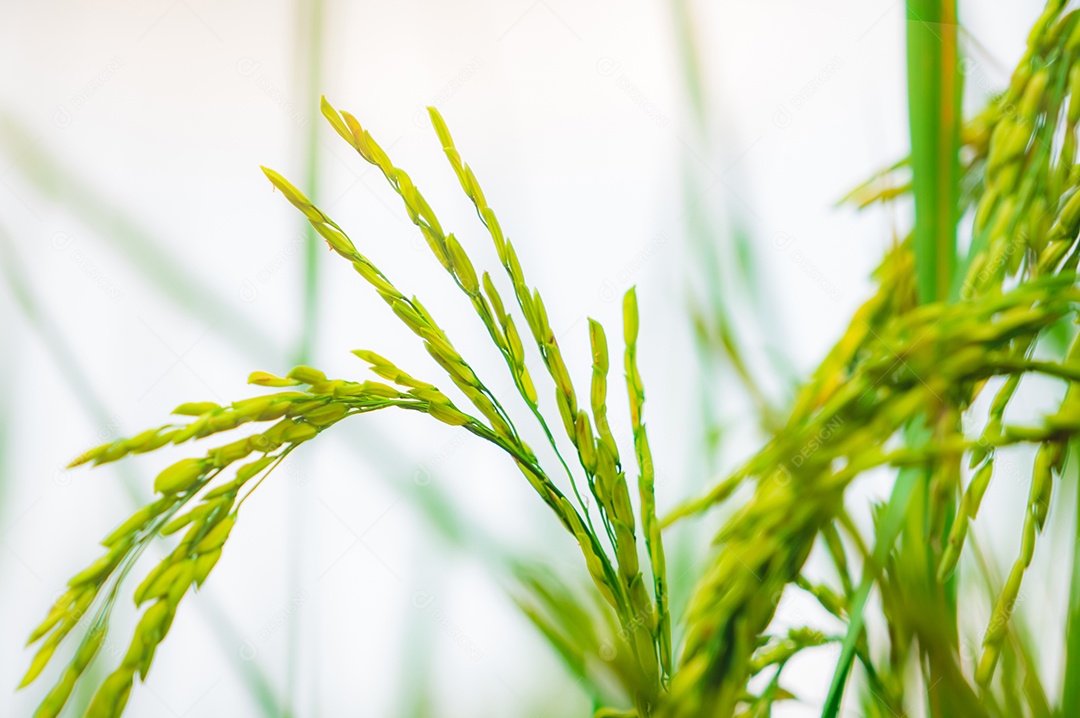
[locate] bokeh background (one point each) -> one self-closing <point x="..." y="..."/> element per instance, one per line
<point x="695" y="149"/>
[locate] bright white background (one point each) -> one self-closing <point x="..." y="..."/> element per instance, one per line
<point x="574" y="116"/>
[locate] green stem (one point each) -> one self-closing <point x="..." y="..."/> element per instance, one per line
<point x="934" y="92"/>
<point x="1070" y="703"/>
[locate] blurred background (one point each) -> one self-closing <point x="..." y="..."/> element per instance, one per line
<point x="695" y="149"/>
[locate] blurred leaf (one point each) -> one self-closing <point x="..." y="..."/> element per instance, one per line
<point x="49" y="176"/>
<point x="888" y="529"/>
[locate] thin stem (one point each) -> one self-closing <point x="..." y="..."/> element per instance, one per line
<point x="309" y="61"/>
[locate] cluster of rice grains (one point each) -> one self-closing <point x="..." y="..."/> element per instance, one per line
<point x="299" y="415"/>
<point x="313" y="403"/>
<point x="900" y="365"/>
<point x="901" y="369"/>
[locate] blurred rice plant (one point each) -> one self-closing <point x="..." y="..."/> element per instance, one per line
<point x="725" y="274"/>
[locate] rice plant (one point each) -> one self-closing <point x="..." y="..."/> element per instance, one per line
<point x="920" y="384"/>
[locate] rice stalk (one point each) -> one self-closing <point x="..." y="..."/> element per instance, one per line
<point x="934" y="100"/>
<point x="301" y="415"/>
